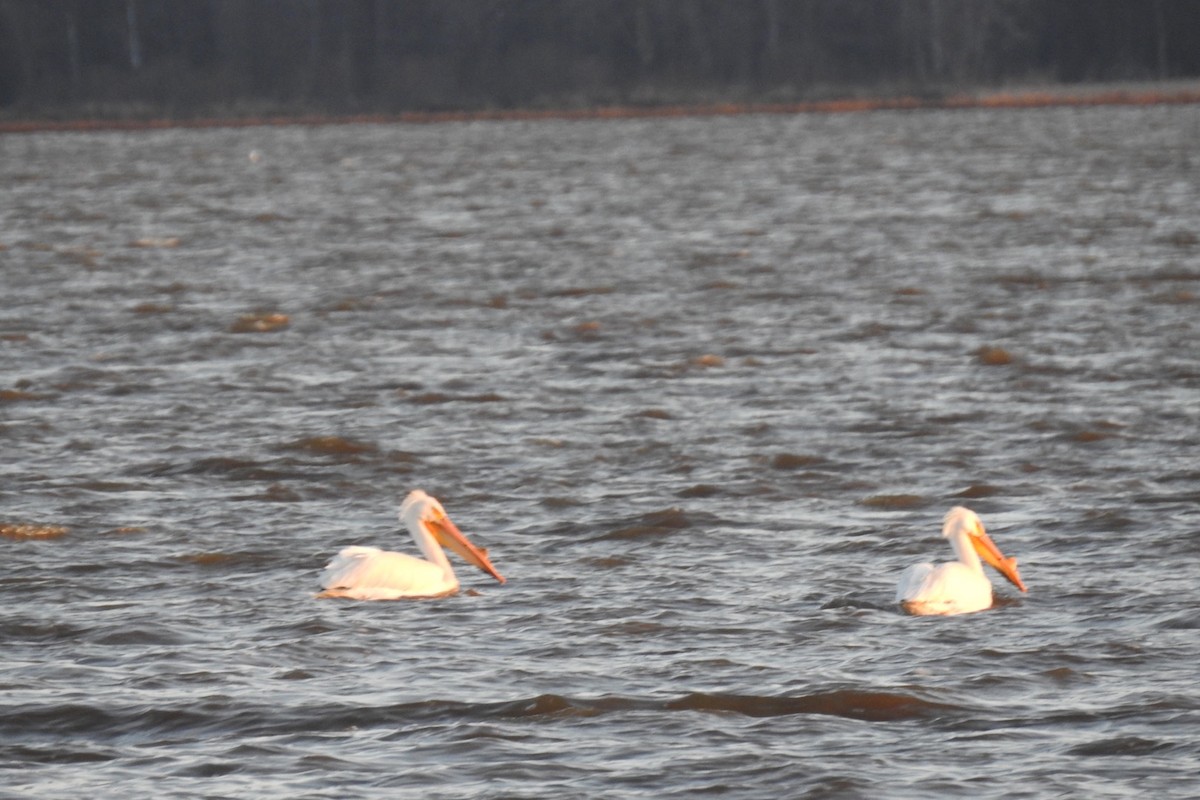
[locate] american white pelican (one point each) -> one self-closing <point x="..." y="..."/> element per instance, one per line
<point x="957" y="587"/>
<point x="368" y="573"/>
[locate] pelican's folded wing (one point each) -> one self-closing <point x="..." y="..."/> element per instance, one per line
<point x="368" y="573"/>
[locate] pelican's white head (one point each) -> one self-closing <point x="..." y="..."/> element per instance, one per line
<point x="960" y="518"/>
<point x="960" y="521"/>
<point x="418" y="506"/>
<point x="428" y="522"/>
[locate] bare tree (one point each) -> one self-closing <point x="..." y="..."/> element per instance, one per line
<point x="135" y="39"/>
<point x="359" y="55"/>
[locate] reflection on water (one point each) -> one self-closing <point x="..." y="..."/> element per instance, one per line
<point x="703" y="387"/>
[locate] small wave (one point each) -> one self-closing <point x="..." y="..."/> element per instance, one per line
<point x="868" y="706"/>
<point x="700" y="490"/>
<point x="561" y="502"/>
<point x="275" y="493"/>
<point x="849" y="703"/>
<point x="231" y="716"/>
<point x="237" y="469"/>
<point x="56" y="755"/>
<point x="20" y="631"/>
<point x="894" y="501"/>
<point x="581" y="291"/>
<point x="437" y="398"/>
<point x="790" y="461"/>
<point x="76" y="378"/>
<point x="855" y="704"/>
<point x="83" y="720"/>
<point x="556" y="705"/>
<point x="1185" y="621"/>
<point x="331" y="446"/>
<point x="855" y="603"/>
<point x="1120" y="746"/>
<point x="650" y="526"/>
<point x="207" y="559"/>
<point x="139" y="635"/>
<point x="209" y="769"/>
<point x="1089" y="436"/>
<point x="977" y="490"/>
<point x="108" y="486"/>
<point x="149" y="307"/>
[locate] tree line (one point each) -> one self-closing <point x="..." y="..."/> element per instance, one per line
<point x="190" y="57"/>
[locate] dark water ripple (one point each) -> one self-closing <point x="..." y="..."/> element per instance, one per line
<point x="703" y="387"/>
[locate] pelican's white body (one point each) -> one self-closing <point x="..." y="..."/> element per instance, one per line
<point x="368" y="573"/>
<point x="955" y="587"/>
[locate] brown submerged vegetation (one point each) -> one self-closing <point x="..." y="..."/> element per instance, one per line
<point x="260" y="322"/>
<point x="894" y="501"/>
<point x="25" y="531"/>
<point x="994" y="356"/>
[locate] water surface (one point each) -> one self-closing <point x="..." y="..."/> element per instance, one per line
<point x="703" y="387"/>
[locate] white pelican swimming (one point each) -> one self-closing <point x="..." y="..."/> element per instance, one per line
<point x="368" y="573"/>
<point x="957" y="587"/>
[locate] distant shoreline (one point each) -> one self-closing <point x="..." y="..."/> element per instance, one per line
<point x="1022" y="98"/>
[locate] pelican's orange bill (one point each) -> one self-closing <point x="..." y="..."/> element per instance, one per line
<point x="448" y="535"/>
<point x="991" y="554"/>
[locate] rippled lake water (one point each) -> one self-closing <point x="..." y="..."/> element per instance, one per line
<point x="702" y="386"/>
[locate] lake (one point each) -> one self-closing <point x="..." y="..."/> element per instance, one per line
<point x="703" y="387"/>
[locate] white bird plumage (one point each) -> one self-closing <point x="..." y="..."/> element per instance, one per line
<point x="957" y="587"/>
<point x="368" y="573"/>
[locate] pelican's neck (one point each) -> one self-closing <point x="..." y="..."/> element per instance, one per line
<point x="428" y="545"/>
<point x="960" y="540"/>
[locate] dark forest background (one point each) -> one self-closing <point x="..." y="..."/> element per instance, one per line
<point x="180" y="58"/>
